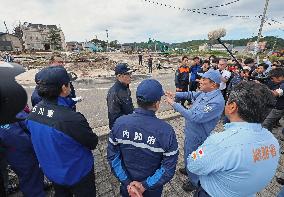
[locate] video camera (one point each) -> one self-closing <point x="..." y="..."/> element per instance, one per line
<point x="263" y="80"/>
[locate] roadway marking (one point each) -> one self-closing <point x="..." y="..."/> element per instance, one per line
<point x="102" y="88"/>
<point x="82" y="89"/>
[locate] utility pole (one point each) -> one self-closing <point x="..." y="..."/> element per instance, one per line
<point x="262" y="20"/>
<point x="107" y="39"/>
<point x="7" y="31"/>
<point x="261" y="26"/>
<point x="274" y="43"/>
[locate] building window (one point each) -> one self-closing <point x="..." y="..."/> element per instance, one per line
<point x="31" y="38"/>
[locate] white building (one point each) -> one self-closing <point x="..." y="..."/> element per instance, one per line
<point x="204" y="47"/>
<point x="219" y="47"/>
<point x="239" y="49"/>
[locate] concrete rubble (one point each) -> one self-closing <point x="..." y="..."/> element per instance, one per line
<point x="88" y="65"/>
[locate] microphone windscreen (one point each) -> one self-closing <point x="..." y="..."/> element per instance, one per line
<point x="218" y="33"/>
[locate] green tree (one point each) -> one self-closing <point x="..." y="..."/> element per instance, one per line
<point x="55" y="39"/>
<point x="100" y="43"/>
<point x="19" y="33"/>
<point x="114" y="44"/>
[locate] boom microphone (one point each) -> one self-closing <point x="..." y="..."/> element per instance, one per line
<point x="217" y="34"/>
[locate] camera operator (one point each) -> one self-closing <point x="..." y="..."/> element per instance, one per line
<point x="259" y="74"/>
<point x="277" y="77"/>
<point x="250" y="65"/>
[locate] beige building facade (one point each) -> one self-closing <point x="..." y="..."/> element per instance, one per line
<point x="36" y="36"/>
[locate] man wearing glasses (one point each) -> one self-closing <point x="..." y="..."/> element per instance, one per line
<point x="242" y="160"/>
<point x="201" y="118"/>
<point x="119" y="100"/>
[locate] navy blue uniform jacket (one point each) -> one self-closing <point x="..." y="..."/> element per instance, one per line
<point x="143" y="148"/>
<point x="62" y="140"/>
<point x="119" y="102"/>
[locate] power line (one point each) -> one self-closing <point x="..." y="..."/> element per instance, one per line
<point x="204" y="8"/>
<point x="268" y="23"/>
<point x="197" y="10"/>
<point x="216" y="6"/>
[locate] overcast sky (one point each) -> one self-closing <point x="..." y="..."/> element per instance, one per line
<point x="137" y="20"/>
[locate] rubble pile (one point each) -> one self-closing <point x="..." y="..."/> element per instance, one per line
<point x="92" y="68"/>
<point x="31" y="61"/>
<point x="89" y="65"/>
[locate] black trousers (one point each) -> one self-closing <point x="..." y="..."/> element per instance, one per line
<point x="2" y="187"/>
<point x="200" y="192"/>
<point x="3" y="177"/>
<point x="84" y="188"/>
<point x="150" y="68"/>
<point x="273" y="117"/>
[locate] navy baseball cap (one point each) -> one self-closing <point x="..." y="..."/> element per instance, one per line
<point x="52" y="75"/>
<point x="122" y="69"/>
<point x="71" y="75"/>
<point x="149" y="90"/>
<point x="213" y="75"/>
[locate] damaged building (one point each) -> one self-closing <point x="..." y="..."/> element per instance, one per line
<point x="42" y="37"/>
<point x="9" y="42"/>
